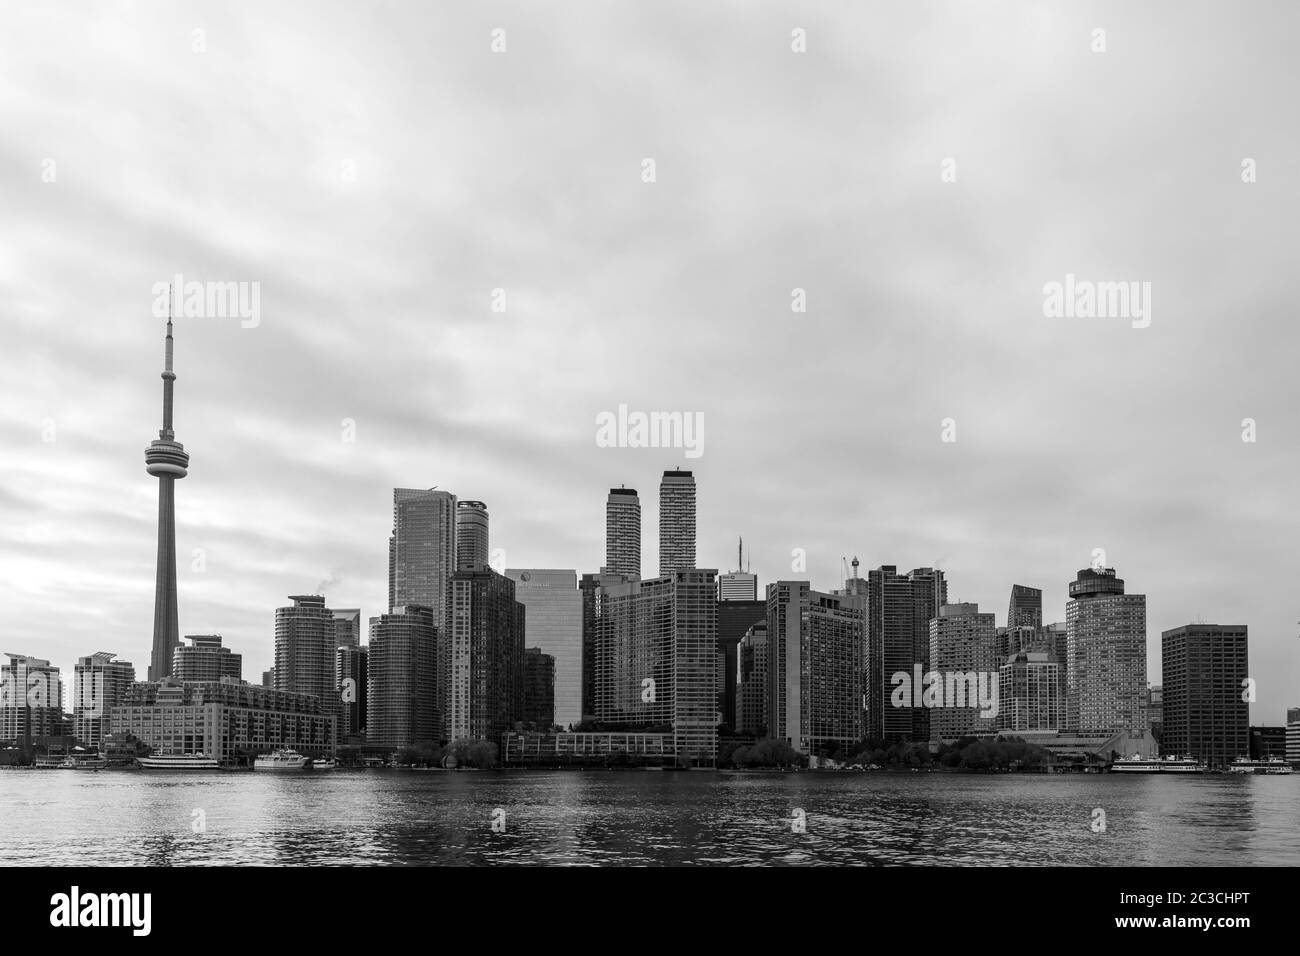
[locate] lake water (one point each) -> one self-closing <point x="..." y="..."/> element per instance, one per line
<point x="53" y="817"/>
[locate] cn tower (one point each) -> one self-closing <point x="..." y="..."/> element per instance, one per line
<point x="166" y="460"/>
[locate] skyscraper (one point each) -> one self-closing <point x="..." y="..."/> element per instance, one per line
<point x="1204" y="670"/>
<point x="1029" y="693"/>
<point x="487" y="656"/>
<point x="31" y="698"/>
<point x="304" y="650"/>
<point x="401" y="687"/>
<point x="676" y="522"/>
<point x="422" y="559"/>
<point x="657" y="659"/>
<point x="735" y="618"/>
<point x="553" y="625"/>
<point x="899" y="610"/>
<point x="962" y="641"/>
<point x="814" y="667"/>
<point x="1105" y="655"/>
<point x="738" y="585"/>
<point x="1026" y="608"/>
<point x="592" y="588"/>
<point x="205" y="659"/>
<point x="347" y="626"/>
<point x="471" y="535"/>
<point x="751" y="681"/>
<point x="100" y="684"/>
<point x="351" y="675"/>
<point x="623" y="532"/>
<point x="539" y="688"/>
<point x="167" y="460"/>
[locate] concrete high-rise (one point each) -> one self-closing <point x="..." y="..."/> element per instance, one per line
<point x="676" y="522"/>
<point x="422" y="559"/>
<point x="899" y="610"/>
<point x="553" y="625"/>
<point x="402" y="670"/>
<point x="738" y="586"/>
<point x="205" y="659"/>
<point x="815" y="667"/>
<point x="1029" y="693"/>
<point x="623" y="533"/>
<point x="101" y="683"/>
<point x="1026" y="607"/>
<point x="1206" y="715"/>
<point x="657" y="659"/>
<point x="471" y="535"/>
<point x="592" y="588"/>
<point x="751" y="681"/>
<point x="167" y="460"/>
<point x="962" y="642"/>
<point x="304" y="650"/>
<point x="487" y="656"/>
<point x="1105" y="655"/>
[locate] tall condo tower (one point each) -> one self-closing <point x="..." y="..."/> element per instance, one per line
<point x="676" y="522"/>
<point x="167" y="461"/>
<point x="623" y="532"/>
<point x="471" y="535"/>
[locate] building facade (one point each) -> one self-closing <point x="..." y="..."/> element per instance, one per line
<point x="554" y="624"/>
<point x="352" y="678"/>
<point x="31" y="698"/>
<point x="751" y="681"/>
<point x="401" y="682"/>
<point x="676" y="522"/>
<point x="899" y="610"/>
<point x="347" y="627"/>
<point x="100" y="684"/>
<point x="304" y="650"/>
<point x="963" y="641"/>
<point x="1106" y="655"/>
<point x="1026" y="607"/>
<point x="623" y="533"/>
<point x="486" y="655"/>
<point x="471" y="535"/>
<point x="539" y="689"/>
<point x="1205" y="712"/>
<point x="1029" y="694"/>
<point x="735" y="618"/>
<point x="203" y="658"/>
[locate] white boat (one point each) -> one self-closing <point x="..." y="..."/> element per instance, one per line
<point x="324" y="763"/>
<point x="282" y="758"/>
<point x="50" y="763"/>
<point x="1273" y="765"/>
<point x="178" y="762"/>
<point x="91" y="762"/>
<point x="1139" y="764"/>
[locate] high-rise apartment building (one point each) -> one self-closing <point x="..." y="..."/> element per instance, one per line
<point x="553" y="624"/>
<point x="963" y="643"/>
<point x="1029" y="694"/>
<point x="422" y="559"/>
<point x="735" y="618"/>
<point x="751" y="681"/>
<point x="268" y="677"/>
<point x="487" y="656"/>
<point x="402" y="672"/>
<point x="623" y="533"/>
<point x="591" y="587"/>
<point x="203" y="658"/>
<point x="471" y="535"/>
<point x="100" y="683"/>
<point x="1204" y="672"/>
<point x="351" y="675"/>
<point x="899" y="610"/>
<point x="676" y="522"/>
<point x="539" y="689"/>
<point x="304" y="650"/>
<point x="657" y="659"/>
<point x="1106" y="655"/>
<point x="31" y="698"/>
<point x="815" y="667"/>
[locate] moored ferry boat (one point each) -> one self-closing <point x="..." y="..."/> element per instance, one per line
<point x="1139" y="764"/>
<point x="178" y="762"/>
<point x="282" y="758"/>
<point x="50" y="762"/>
<point x="1273" y="765"/>
<point x="324" y="763"/>
<point x="89" y="762"/>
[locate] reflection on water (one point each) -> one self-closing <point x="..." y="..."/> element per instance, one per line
<point x="637" y="818"/>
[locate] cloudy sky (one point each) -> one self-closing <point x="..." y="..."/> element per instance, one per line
<point x="380" y="170"/>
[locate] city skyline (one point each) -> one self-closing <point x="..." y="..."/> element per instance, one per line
<point x="1130" y="443"/>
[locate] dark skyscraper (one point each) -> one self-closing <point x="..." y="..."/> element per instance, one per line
<point x="1026" y="608"/>
<point x="623" y="532"/>
<point x="1204" y="668"/>
<point x="676" y="522"/>
<point x="167" y="461"/>
<point x="402" y="671"/>
<point x="735" y="618"/>
<point x="471" y="535"/>
<point x="486" y="683"/>
<point x="899" y="610"/>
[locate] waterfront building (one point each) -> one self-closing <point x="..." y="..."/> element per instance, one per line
<point x="899" y="610"/>
<point x="205" y="659"/>
<point x="486" y="656"/>
<point x="31" y="699"/>
<point x="963" y="642"/>
<point x="351" y="676"/>
<point x="304" y="650"/>
<point x="735" y="618"/>
<point x="1029" y="694"/>
<point x="1205" y="712"/>
<point x="100" y="683"/>
<point x="1106" y="655"/>
<point x="401" y="685"/>
<point x="553" y="623"/>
